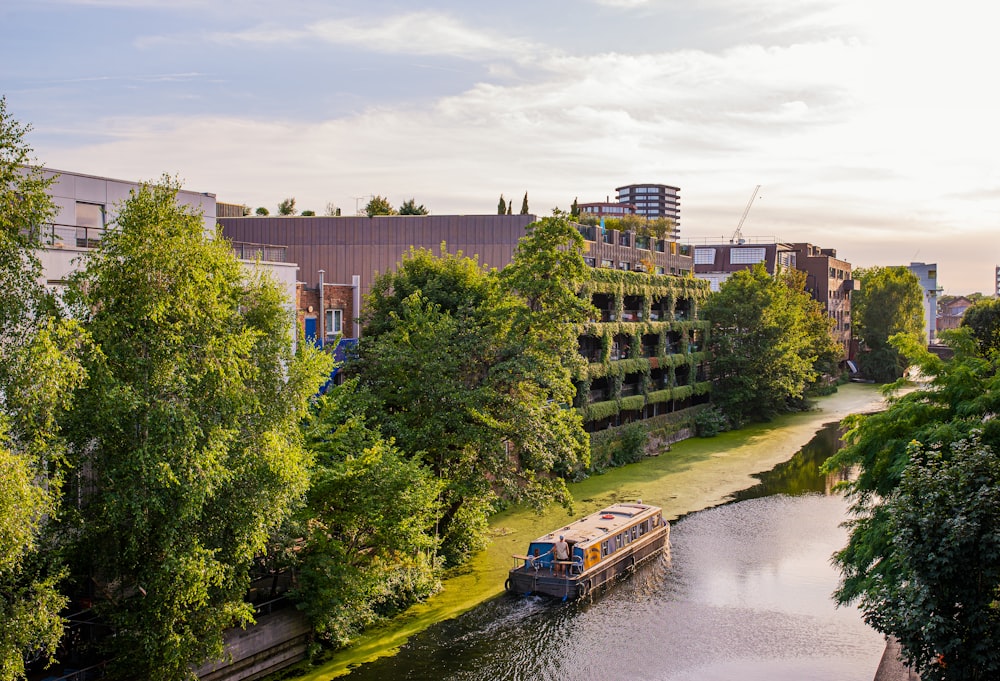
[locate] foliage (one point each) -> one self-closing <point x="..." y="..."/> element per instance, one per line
<point x="926" y="485"/>
<point x="710" y="422"/>
<point x="465" y="369"/>
<point x="524" y="205"/>
<point x="308" y="213"/>
<point x="379" y="205"/>
<point x="890" y="301"/>
<point x="619" y="446"/>
<point x="574" y="210"/>
<point x="262" y="211"/>
<point x="188" y="431"/>
<point x="502" y="206"/>
<point x="39" y="368"/>
<point x="944" y="524"/>
<point x="287" y="206"/>
<point x="370" y="513"/>
<point x="410" y="207"/>
<point x="764" y="341"/>
<point x="983" y="319"/>
<point x="331" y="210"/>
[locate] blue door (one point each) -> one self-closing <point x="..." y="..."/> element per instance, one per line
<point x="311" y="335"/>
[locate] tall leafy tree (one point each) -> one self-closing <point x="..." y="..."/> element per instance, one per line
<point x="466" y="368"/>
<point x="368" y="524"/>
<point x="920" y="560"/>
<point x="39" y="368"/>
<point x="764" y="339"/>
<point x="379" y="205"/>
<point x="890" y="301"/>
<point x="410" y="207"/>
<point x="287" y="206"/>
<point x="187" y="431"/>
<point x="983" y="319"/>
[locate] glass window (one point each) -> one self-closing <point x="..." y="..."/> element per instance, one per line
<point x="745" y="256"/>
<point x="89" y="224"/>
<point x="334" y="322"/>
<point x="704" y="256"/>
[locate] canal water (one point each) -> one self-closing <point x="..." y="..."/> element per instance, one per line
<point x="743" y="594"/>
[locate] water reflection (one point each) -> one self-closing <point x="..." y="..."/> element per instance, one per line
<point x="744" y="594"/>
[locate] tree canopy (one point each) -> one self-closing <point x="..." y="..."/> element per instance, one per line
<point x="890" y="301"/>
<point x="39" y="368"/>
<point x="410" y="207"/>
<point x="767" y="338"/>
<point x="188" y="428"/>
<point x="921" y="560"/>
<point x="983" y="320"/>
<point x="379" y="205"/>
<point x="466" y="371"/>
<point x="287" y="206"/>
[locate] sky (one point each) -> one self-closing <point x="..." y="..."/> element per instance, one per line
<point x="871" y="125"/>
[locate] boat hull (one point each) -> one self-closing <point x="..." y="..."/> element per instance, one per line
<point x="526" y="580"/>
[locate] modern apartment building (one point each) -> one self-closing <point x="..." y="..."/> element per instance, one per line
<point x="648" y="328"/>
<point x="87" y="206"/>
<point x="653" y="200"/>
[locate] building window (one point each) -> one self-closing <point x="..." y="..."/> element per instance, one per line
<point x="590" y="261"/>
<point x="89" y="224"/>
<point x="624" y="266"/>
<point x="745" y="256"/>
<point x="334" y="322"/>
<point x="605" y="262"/>
<point x="704" y="256"/>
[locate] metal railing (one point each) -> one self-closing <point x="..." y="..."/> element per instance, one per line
<point x="265" y="252"/>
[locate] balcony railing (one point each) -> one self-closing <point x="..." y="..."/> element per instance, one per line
<point x="56" y="235"/>
<point x="264" y="252"/>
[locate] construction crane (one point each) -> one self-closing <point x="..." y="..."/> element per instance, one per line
<point x="737" y="237"/>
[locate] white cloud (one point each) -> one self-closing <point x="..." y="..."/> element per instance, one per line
<point x="416" y="33"/>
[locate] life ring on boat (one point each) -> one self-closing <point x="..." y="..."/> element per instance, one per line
<point x="506" y="585"/>
<point x="583" y="589"/>
<point x="608" y="516"/>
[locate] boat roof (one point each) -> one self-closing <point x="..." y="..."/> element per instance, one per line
<point x="599" y="525"/>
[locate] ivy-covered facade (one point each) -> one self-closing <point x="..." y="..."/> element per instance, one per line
<point x="645" y="354"/>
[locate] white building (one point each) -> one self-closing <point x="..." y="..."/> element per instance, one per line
<point x="927" y="273"/>
<point x="87" y="205"/>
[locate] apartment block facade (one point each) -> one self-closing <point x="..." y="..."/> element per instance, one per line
<point x="830" y="281"/>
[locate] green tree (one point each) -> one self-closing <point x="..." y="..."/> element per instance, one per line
<point x="308" y="213"/>
<point x="39" y="369"/>
<point x="926" y="484"/>
<point x="764" y="344"/>
<point x="574" y="210"/>
<point x="466" y="370"/>
<point x="502" y="206"/>
<point x="188" y="431"/>
<point x="510" y="207"/>
<point x="287" y="207"/>
<point x="983" y="319"/>
<point x="369" y="544"/>
<point x="263" y="212"/>
<point x="410" y="207"/>
<point x="524" y="204"/>
<point x="379" y="205"/>
<point x="944" y="523"/>
<point x="890" y="301"/>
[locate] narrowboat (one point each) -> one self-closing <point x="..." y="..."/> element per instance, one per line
<point x="599" y="548"/>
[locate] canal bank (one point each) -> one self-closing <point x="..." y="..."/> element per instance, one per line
<point x="696" y="474"/>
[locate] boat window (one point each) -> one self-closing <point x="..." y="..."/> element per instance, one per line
<point x="604" y="548"/>
<point x="635" y="532"/>
<point x="618" y="542"/>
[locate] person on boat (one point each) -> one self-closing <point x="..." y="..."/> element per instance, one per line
<point x="560" y="552"/>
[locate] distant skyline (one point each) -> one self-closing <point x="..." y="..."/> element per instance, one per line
<point x="870" y="124"/>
